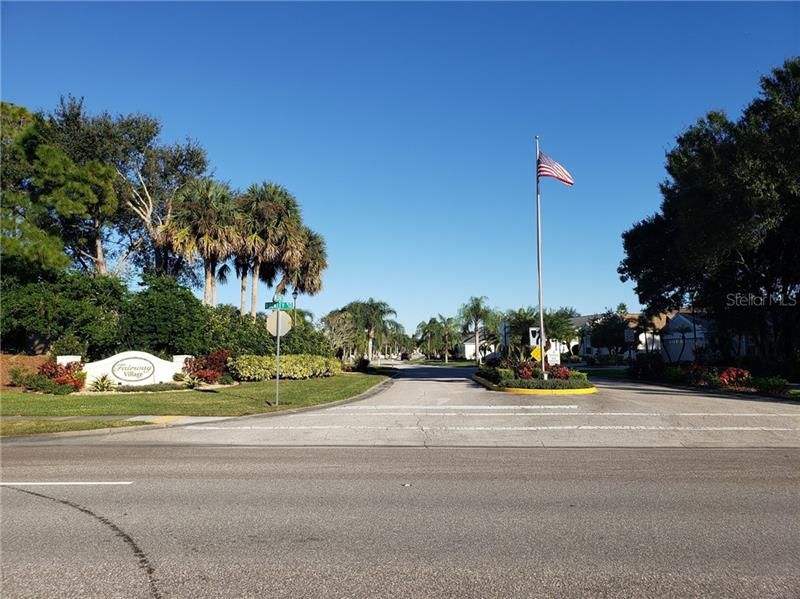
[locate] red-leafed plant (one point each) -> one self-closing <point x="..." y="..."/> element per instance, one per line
<point x="208" y="376"/>
<point x="559" y="372"/>
<point x="208" y="369"/>
<point x="65" y="374"/>
<point x="525" y="371"/>
<point x="734" y="377"/>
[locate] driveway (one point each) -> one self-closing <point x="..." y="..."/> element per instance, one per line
<point x="442" y="407"/>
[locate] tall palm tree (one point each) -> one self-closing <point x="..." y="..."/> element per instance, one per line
<point x="449" y="330"/>
<point x="472" y="315"/>
<point x="426" y="331"/>
<point x="305" y="276"/>
<point x="371" y="316"/>
<point x="204" y="223"/>
<point x="277" y="234"/>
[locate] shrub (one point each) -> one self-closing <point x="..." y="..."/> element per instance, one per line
<point x="102" y="383"/>
<point x="18" y="377"/>
<point x="155" y="387"/>
<point x="64" y="374"/>
<point x="734" y="377"/>
<point x="293" y="366"/>
<point x="362" y="365"/>
<point x="207" y="376"/>
<point x="548" y="384"/>
<point x="526" y="370"/>
<point x="492" y="374"/>
<point x="696" y="374"/>
<point x="505" y="374"/>
<point x="44" y="384"/>
<point x="493" y="361"/>
<point x="559" y="372"/>
<point x="226" y="379"/>
<point x="773" y="384"/>
<point x="207" y="369"/>
<point x="578" y="375"/>
<point x="69" y="345"/>
<point x="674" y="374"/>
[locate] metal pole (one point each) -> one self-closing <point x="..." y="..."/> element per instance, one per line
<point x="278" y="365"/>
<point x="539" y="261"/>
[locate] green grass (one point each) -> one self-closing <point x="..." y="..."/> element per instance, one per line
<point x="37" y="427"/>
<point x="450" y="363"/>
<point x="239" y="400"/>
<point x="605" y="373"/>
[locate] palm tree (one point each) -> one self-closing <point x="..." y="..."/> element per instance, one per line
<point x="426" y="331"/>
<point x="204" y="222"/>
<point x="473" y="314"/>
<point x="276" y="238"/>
<point x="449" y="330"/>
<point x="305" y="276"/>
<point x="371" y="316"/>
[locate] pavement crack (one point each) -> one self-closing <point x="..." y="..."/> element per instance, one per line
<point x="144" y="562"/>
<point x="423" y="431"/>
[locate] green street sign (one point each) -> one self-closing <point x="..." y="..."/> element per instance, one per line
<point x="278" y="306"/>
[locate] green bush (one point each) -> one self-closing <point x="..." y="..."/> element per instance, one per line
<point x="571" y="383"/>
<point x="577" y="375"/>
<point x="293" y="366"/>
<point x="773" y="384"/>
<point x="87" y="308"/>
<point x="155" y="387"/>
<point x="42" y="383"/>
<point x="490" y="373"/>
<point x="166" y="317"/>
<point x="69" y="345"/>
<point x="505" y="374"/>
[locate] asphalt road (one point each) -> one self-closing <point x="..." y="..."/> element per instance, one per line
<point x="433" y="487"/>
<point x="442" y="407"/>
<point x="339" y="522"/>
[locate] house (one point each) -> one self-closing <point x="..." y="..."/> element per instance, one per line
<point x="639" y="341"/>
<point x="466" y="347"/>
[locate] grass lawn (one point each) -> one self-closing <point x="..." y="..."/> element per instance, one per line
<point x="239" y="400"/>
<point x="450" y="363"/>
<point x="35" y="427"/>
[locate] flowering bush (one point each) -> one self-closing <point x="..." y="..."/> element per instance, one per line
<point x="734" y="377"/>
<point x="208" y="376"/>
<point x="64" y="374"/>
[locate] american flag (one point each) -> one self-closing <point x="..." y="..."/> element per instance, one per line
<point x="548" y="167"/>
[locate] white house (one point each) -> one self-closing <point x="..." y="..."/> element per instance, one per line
<point x="638" y="342"/>
<point x="466" y="347"/>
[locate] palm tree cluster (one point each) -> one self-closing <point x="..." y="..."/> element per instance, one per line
<point x="257" y="234"/>
<point x="440" y="335"/>
<point x="362" y="326"/>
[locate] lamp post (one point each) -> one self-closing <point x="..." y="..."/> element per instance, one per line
<point x="295" y="293"/>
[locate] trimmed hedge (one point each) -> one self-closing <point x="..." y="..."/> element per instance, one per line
<point x="293" y="366"/>
<point x="574" y="383"/>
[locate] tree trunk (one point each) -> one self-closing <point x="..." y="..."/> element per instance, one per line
<point x="445" y="349"/>
<point x="477" y="335"/>
<point x="208" y="283"/>
<point x="370" y="335"/>
<point x="254" y="289"/>
<point x="243" y="298"/>
<point x="100" y="258"/>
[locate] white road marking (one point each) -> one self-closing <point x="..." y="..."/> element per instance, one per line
<point x="63" y="483"/>
<point x="454" y="407"/>
<point x="551" y="414"/>
<point x="566" y="427"/>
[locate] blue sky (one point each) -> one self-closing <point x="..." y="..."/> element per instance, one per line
<point x="406" y="130"/>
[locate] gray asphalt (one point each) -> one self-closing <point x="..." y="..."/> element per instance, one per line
<point x="442" y="407"/>
<point x="339" y="522"/>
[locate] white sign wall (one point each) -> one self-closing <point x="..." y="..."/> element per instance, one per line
<point x="131" y="368"/>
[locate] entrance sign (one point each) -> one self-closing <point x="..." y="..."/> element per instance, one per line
<point x="131" y="368"/>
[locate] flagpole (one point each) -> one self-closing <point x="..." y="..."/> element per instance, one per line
<point x="539" y="261"/>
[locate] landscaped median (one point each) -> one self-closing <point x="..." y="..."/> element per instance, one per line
<point x="507" y="380"/>
<point x="237" y="400"/>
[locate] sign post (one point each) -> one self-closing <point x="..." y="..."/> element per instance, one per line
<point x="278" y="324"/>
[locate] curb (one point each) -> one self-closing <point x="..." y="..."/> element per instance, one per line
<point x="378" y="388"/>
<point x="493" y="387"/>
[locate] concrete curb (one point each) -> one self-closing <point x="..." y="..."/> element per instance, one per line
<point x="493" y="387"/>
<point x="378" y="388"/>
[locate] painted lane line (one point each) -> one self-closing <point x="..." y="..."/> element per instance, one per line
<point x="566" y="427"/>
<point x="454" y="407"/>
<point x="63" y="483"/>
<point x="551" y="414"/>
